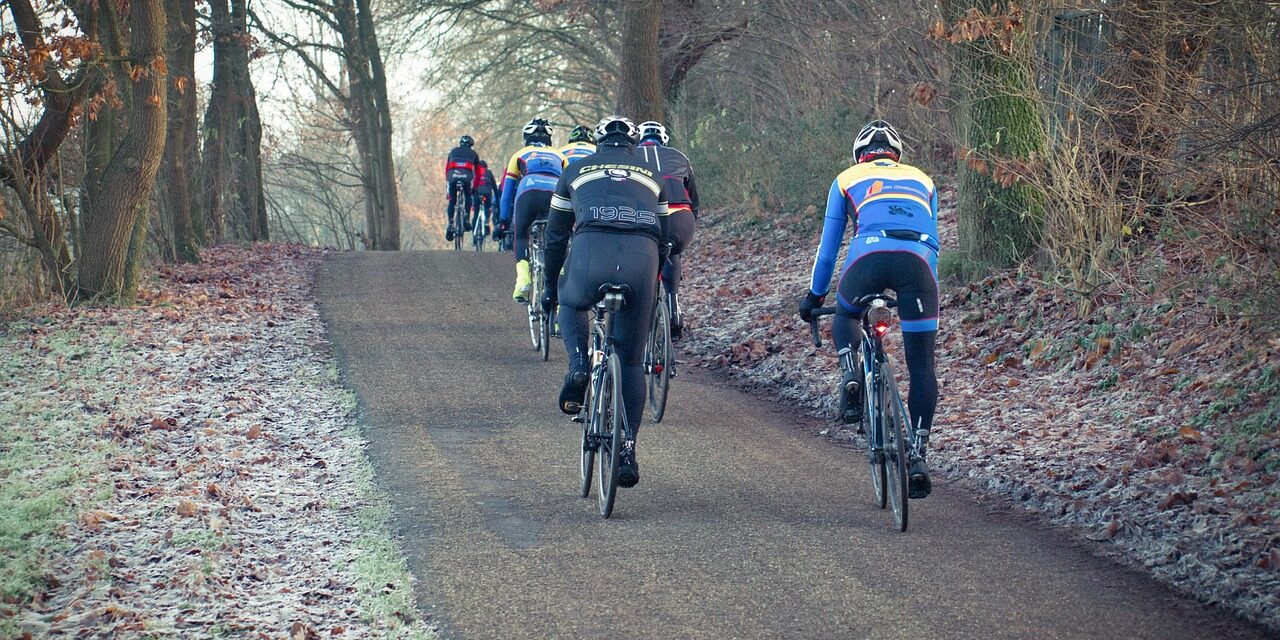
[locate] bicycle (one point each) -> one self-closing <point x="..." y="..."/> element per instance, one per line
<point x="539" y="322"/>
<point x="659" y="357"/>
<point x="602" y="414"/>
<point x="460" y="211"/>
<point x="477" y="229"/>
<point x="884" y="417"/>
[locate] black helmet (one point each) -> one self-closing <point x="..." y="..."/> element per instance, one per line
<point x="616" y="127"/>
<point x="580" y="133"/>
<point x="653" y="129"/>
<point x="878" y="134"/>
<point x="467" y="141"/>
<point x="537" y="130"/>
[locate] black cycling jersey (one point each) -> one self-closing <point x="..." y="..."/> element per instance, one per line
<point x="677" y="173"/>
<point x="614" y="189"/>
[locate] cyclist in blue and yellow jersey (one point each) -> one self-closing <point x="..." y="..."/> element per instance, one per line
<point x="894" y="209"/>
<point x="581" y="144"/>
<point x="682" y="192"/>
<point x="526" y="194"/>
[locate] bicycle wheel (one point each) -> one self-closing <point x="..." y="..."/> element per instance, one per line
<point x="894" y="419"/>
<point x="587" y="415"/>
<point x="873" y="424"/>
<point x="544" y="325"/>
<point x="459" y="217"/>
<point x="610" y="421"/>
<point x="657" y="359"/>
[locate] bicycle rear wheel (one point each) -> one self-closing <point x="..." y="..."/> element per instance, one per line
<point x="657" y="360"/>
<point x="459" y="217"/>
<point x="609" y="420"/>
<point x="544" y="325"/>
<point x="872" y="421"/>
<point x="894" y="419"/>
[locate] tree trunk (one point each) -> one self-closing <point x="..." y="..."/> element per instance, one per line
<point x="115" y="195"/>
<point x="177" y="178"/>
<point x="218" y="118"/>
<point x="370" y="114"/>
<point x="233" y="130"/>
<point x="640" y="88"/>
<point x="997" y="118"/>
<point x="388" y="194"/>
<point x="250" y="201"/>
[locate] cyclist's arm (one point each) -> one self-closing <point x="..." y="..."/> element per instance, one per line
<point x="664" y="218"/>
<point x="832" y="234"/>
<point x="692" y="188"/>
<point x="509" y="183"/>
<point x="559" y="228"/>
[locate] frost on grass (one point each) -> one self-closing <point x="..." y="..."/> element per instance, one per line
<point x="1148" y="427"/>
<point x="218" y="485"/>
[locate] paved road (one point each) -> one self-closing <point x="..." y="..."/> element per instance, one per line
<point x="743" y="526"/>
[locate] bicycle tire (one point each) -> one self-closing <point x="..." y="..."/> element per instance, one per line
<point x="871" y="420"/>
<point x="588" y="449"/>
<point x="658" y="360"/>
<point x="610" y="420"/>
<point x="544" y="325"/>
<point x="459" y="226"/>
<point x="895" y="422"/>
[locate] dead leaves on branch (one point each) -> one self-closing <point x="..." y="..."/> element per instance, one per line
<point x="995" y="26"/>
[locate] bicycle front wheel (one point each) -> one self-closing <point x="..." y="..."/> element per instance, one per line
<point x="894" y="419"/>
<point x="610" y="422"/>
<point x="873" y="423"/>
<point x="589" y="442"/>
<point x="658" y="360"/>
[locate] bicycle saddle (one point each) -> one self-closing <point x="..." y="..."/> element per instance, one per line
<point x="865" y="301"/>
<point x="622" y="289"/>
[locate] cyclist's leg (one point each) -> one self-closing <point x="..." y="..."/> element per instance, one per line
<point x="916" y="287"/>
<point x="521" y="218"/>
<point x="470" y="196"/>
<point x="576" y="296"/>
<point x="451" y="192"/>
<point x="862" y="275"/>
<point x="680" y="228"/>
<point x="632" y="259"/>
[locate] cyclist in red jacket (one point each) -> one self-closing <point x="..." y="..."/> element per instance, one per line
<point x="460" y="169"/>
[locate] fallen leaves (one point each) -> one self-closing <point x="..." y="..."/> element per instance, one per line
<point x="187" y="508"/>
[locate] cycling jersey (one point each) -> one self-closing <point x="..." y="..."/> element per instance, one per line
<point x="533" y="167"/>
<point x="894" y="207"/>
<point x="677" y="172"/>
<point x="616" y="189"/>
<point x="483" y="181"/>
<point x="575" y="150"/>
<point x="461" y="164"/>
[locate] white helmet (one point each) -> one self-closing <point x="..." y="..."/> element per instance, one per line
<point x="537" y="128"/>
<point x="877" y="131"/>
<point x="653" y="129"/>
<point x="610" y="125"/>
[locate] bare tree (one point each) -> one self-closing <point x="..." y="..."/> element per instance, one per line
<point x="177" y="190"/>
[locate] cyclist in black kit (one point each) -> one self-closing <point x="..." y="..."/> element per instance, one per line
<point x="460" y="169"/>
<point x="614" y="204"/>
<point x="682" y="192"/>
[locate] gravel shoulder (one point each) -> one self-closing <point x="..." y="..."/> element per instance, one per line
<point x="192" y="466"/>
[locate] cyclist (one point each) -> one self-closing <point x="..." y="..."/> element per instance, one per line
<point x="526" y="194"/>
<point x="581" y="144"/>
<point x="677" y="173"/>
<point x="460" y="169"/>
<point x="894" y="208"/>
<point x="485" y="189"/>
<point x="615" y="206"/>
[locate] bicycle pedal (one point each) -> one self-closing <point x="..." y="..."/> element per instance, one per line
<point x="577" y="419"/>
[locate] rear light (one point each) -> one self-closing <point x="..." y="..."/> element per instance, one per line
<point x="881" y="328"/>
<point x="880" y="319"/>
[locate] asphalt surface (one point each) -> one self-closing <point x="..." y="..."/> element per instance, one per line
<point x="743" y="525"/>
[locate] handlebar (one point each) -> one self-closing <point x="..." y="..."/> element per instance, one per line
<point x="813" y="324"/>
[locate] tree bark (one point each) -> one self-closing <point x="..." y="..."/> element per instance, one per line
<point x="177" y="179"/>
<point x="114" y="196"/>
<point x="640" y="84"/>
<point x="685" y="37"/>
<point x="233" y="131"/>
<point x="997" y="117"/>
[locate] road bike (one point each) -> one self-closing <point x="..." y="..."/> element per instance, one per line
<point x="602" y="415"/>
<point x="659" y="356"/>
<point x="891" y="444"/>
<point x="460" y="212"/>
<point x="481" y="223"/>
<point x="539" y="321"/>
